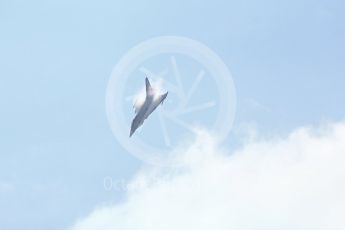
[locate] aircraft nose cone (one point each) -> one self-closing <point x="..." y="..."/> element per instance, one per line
<point x="131" y="133"/>
<point x="133" y="128"/>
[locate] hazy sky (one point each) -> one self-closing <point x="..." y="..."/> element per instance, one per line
<point x="287" y="59"/>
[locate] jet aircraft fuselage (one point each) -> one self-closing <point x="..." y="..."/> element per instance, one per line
<point x="152" y="101"/>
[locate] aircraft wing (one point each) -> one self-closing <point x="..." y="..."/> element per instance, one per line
<point x="137" y="106"/>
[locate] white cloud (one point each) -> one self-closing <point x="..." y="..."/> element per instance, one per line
<point x="297" y="182"/>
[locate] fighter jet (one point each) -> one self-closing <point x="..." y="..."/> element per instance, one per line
<point x="152" y="101"/>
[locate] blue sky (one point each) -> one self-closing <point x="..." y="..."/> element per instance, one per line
<point x="287" y="59"/>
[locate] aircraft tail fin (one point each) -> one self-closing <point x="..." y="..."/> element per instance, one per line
<point x="148" y="86"/>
